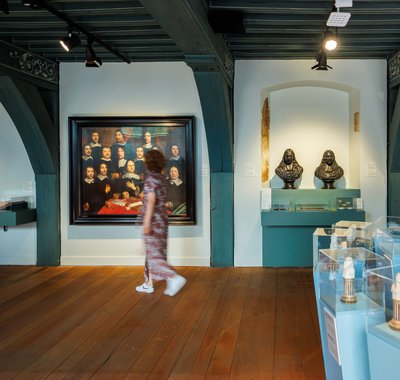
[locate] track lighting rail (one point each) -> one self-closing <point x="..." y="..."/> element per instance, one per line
<point x="75" y="26"/>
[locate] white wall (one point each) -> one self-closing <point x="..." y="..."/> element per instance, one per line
<point x="18" y="244"/>
<point x="138" y="89"/>
<point x="255" y="79"/>
<point x="309" y="133"/>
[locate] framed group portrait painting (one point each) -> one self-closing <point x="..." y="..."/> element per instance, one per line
<point x="108" y="169"/>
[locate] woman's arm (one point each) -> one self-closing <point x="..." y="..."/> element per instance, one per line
<point x="151" y="201"/>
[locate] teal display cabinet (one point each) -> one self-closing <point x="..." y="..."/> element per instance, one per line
<point x="383" y="341"/>
<point x="287" y="228"/>
<point x="17" y="217"/>
<point x="343" y="325"/>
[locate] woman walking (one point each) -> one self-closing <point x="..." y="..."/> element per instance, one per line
<point x="155" y="228"/>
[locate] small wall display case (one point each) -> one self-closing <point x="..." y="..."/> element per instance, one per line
<point x="344" y="203"/>
<point x="312" y="207"/>
<point x="15" y="210"/>
<point x="14" y="203"/>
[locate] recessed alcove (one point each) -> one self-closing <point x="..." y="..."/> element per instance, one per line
<point x="311" y="117"/>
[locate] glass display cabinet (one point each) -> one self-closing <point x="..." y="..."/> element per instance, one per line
<point x="340" y="276"/>
<point x="383" y="322"/>
<point x="387" y="238"/>
<point x="362" y="232"/>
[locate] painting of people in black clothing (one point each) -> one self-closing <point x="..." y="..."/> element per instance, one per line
<point x="108" y="168"/>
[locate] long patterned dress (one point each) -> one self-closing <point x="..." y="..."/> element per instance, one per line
<point x="156" y="265"/>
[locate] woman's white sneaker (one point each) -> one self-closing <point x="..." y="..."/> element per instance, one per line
<point x="144" y="288"/>
<point x="174" y="285"/>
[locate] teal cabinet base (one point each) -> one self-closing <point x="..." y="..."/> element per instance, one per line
<point x="383" y="351"/>
<point x="287" y="235"/>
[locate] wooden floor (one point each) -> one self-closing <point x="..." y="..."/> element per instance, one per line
<point x="84" y="322"/>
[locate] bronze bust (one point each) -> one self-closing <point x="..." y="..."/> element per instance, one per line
<point x="289" y="169"/>
<point x="328" y="170"/>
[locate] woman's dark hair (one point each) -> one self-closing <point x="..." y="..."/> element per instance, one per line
<point x="154" y="161"/>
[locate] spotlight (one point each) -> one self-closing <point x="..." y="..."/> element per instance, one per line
<point x="322" y="62"/>
<point x="329" y="42"/>
<point x="35" y="4"/>
<point x="91" y="59"/>
<point x="71" y="41"/>
<point x="4" y="7"/>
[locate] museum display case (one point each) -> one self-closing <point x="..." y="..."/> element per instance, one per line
<point x="340" y="277"/>
<point x="362" y="233"/>
<point x="297" y="213"/>
<point x="382" y="287"/>
<point x="329" y="237"/>
<point x="16" y="210"/>
<point x="387" y="238"/>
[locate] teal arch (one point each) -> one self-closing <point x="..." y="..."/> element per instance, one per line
<point x="34" y="112"/>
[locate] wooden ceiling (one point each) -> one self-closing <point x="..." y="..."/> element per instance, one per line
<point x="139" y="31"/>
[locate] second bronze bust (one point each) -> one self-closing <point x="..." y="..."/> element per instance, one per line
<point x="289" y="169"/>
<point x="328" y="170"/>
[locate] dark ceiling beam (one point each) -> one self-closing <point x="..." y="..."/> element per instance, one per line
<point x="152" y="40"/>
<point x="120" y="30"/>
<point x="284" y="28"/>
<point x="356" y="19"/>
<point x="308" y="38"/>
<point x="262" y="6"/>
<point x="35" y="19"/>
<point x="186" y="22"/>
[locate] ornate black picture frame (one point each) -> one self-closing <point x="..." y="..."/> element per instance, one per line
<point x="107" y="170"/>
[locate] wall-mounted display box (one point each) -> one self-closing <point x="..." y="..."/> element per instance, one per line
<point x="342" y="322"/>
<point x="383" y="333"/>
<point x="287" y="228"/>
<point x="14" y="211"/>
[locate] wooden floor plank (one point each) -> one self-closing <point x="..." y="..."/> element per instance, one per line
<point x="162" y="367"/>
<point x="227" y="323"/>
<point x="10" y="275"/>
<point x="96" y="350"/>
<point x="17" y="326"/>
<point x="221" y="362"/>
<point x="19" y="285"/>
<point x="254" y="351"/>
<point x="184" y="363"/>
<point x="30" y="346"/>
<point x="36" y="294"/>
<point x="105" y="315"/>
<point x="174" y="324"/>
<point x="287" y="357"/>
<point x="141" y="338"/>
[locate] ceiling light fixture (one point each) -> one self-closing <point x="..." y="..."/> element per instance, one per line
<point x="91" y="58"/>
<point x="31" y="3"/>
<point x="61" y="15"/>
<point x="71" y="41"/>
<point x="329" y="41"/>
<point x="339" y="19"/>
<point x="322" y="62"/>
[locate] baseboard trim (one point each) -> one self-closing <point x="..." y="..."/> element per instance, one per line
<point x="124" y="260"/>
